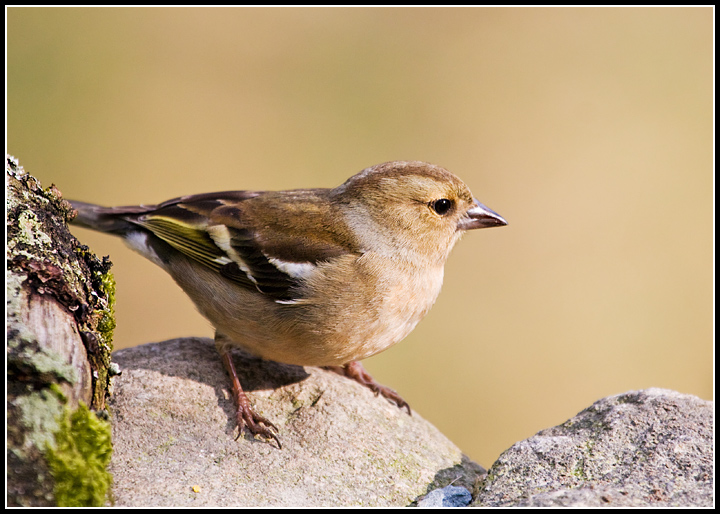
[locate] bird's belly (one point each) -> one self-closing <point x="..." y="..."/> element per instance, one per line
<point x="349" y="323"/>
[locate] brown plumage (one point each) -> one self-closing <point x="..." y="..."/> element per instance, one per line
<point x="320" y="277"/>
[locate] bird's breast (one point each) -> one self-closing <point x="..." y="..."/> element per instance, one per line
<point x="362" y="317"/>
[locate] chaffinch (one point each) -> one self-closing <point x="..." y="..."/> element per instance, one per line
<point x="312" y="277"/>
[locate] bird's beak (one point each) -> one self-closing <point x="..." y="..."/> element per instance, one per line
<point x="480" y="216"/>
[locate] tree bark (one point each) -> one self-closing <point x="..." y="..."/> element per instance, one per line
<point x="59" y="337"/>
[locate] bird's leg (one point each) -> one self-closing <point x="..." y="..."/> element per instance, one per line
<point x="356" y="371"/>
<point x="245" y="416"/>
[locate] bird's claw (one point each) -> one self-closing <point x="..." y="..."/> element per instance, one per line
<point x="356" y="371"/>
<point x="256" y="424"/>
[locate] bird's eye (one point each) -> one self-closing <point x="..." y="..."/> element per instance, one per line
<point x="441" y="206"/>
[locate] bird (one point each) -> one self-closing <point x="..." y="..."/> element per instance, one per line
<point x="312" y="277"/>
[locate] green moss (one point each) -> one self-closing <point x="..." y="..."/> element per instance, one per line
<point x="103" y="306"/>
<point x="79" y="459"/>
<point x="106" y="325"/>
<point x="55" y="389"/>
<point x="579" y="470"/>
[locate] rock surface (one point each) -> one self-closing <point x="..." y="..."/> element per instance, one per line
<point x="174" y="444"/>
<point x="448" y="496"/>
<point x="174" y="436"/>
<point x="642" y="448"/>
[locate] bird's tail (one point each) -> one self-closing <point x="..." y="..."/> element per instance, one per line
<point x="115" y="220"/>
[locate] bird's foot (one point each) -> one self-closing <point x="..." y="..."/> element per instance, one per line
<point x="357" y="372"/>
<point x="246" y="417"/>
<point x="255" y="423"/>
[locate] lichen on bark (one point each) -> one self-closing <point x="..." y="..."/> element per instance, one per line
<point x="60" y="318"/>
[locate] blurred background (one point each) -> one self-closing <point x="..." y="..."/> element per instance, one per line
<point x="589" y="129"/>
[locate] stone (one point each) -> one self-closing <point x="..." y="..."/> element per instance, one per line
<point x="641" y="448"/>
<point x="174" y="436"/>
<point x="448" y="496"/>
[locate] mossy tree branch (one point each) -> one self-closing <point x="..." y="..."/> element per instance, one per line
<point x="59" y="337"/>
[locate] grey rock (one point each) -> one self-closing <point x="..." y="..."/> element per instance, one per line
<point x="642" y="448"/>
<point x="448" y="496"/>
<point x="174" y="436"/>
